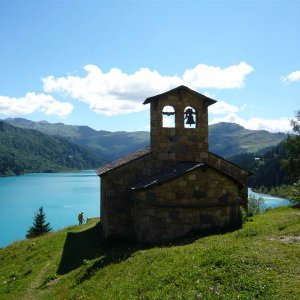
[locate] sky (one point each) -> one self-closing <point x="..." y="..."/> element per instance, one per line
<point x="93" y="62"/>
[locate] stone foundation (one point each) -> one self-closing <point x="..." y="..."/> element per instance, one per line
<point x="158" y="224"/>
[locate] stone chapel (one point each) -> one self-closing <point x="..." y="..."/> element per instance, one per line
<point x="175" y="186"/>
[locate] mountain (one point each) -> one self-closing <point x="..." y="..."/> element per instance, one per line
<point x="106" y="144"/>
<point x="225" y="139"/>
<point x="27" y="150"/>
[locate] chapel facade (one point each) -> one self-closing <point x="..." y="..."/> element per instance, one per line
<point x="175" y="186"/>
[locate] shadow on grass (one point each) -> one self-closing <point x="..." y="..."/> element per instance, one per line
<point x="80" y="247"/>
<point x="194" y="235"/>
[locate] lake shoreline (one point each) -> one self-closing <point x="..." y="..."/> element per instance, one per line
<point x="62" y="195"/>
<point x="272" y="194"/>
<point x="47" y="172"/>
<point x="269" y="200"/>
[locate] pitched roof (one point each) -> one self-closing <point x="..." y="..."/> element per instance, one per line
<point x="179" y="89"/>
<point x="123" y="161"/>
<point x="167" y="174"/>
<point x="175" y="171"/>
<point x="232" y="163"/>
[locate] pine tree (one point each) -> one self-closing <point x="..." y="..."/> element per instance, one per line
<point x="293" y="148"/>
<point x="39" y="226"/>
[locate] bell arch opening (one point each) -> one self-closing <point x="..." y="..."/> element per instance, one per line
<point x="190" y="117"/>
<point x="168" y="117"/>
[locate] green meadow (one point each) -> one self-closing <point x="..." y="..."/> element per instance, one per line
<point x="259" y="261"/>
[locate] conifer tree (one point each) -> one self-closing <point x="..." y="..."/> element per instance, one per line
<point x="39" y="226"/>
<point x="293" y="162"/>
<point x="293" y="147"/>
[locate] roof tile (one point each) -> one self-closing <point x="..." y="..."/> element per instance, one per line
<point x="122" y="161"/>
<point x="167" y="174"/>
<point x="182" y="88"/>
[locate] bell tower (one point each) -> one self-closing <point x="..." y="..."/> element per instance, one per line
<point x="179" y="125"/>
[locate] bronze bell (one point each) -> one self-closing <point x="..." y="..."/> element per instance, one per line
<point x="190" y="120"/>
<point x="189" y="117"/>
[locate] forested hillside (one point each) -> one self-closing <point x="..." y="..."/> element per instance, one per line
<point x="104" y="144"/>
<point x="26" y="150"/>
<point x="225" y="139"/>
<point x="267" y="168"/>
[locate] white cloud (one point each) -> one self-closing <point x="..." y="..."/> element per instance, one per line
<point x="222" y="108"/>
<point x="113" y="92"/>
<point x="32" y="102"/>
<point x="116" y="92"/>
<point x="271" y="125"/>
<point x="204" y="76"/>
<point x="294" y="76"/>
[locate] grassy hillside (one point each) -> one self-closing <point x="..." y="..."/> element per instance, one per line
<point x="225" y="139"/>
<point x="260" y="261"/>
<point x="26" y="150"/>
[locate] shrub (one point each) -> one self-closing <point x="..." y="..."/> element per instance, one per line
<point x="295" y="192"/>
<point x="255" y="205"/>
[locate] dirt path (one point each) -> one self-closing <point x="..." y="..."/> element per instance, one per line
<point x="35" y="290"/>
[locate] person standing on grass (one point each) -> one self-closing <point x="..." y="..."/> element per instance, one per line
<point x="80" y="218"/>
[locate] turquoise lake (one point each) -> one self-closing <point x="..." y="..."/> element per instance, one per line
<point x="62" y="195"/>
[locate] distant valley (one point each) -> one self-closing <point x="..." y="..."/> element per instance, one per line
<point x="225" y="139"/>
<point x="104" y="144"/>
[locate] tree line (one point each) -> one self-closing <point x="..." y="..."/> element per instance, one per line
<point x="277" y="170"/>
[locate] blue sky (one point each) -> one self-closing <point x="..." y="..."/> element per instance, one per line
<point x="95" y="62"/>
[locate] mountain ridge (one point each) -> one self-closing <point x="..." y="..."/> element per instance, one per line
<point x="238" y="139"/>
<point x="24" y="150"/>
<point x="225" y="139"/>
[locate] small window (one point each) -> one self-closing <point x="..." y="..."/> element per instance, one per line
<point x="190" y="117"/>
<point x="168" y="117"/>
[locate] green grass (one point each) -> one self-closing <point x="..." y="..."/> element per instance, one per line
<point x="260" y="261"/>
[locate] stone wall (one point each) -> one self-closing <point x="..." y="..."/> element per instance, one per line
<point x="235" y="171"/>
<point x="179" y="143"/>
<point x="199" y="200"/>
<point x="115" y="196"/>
<point x="116" y="204"/>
